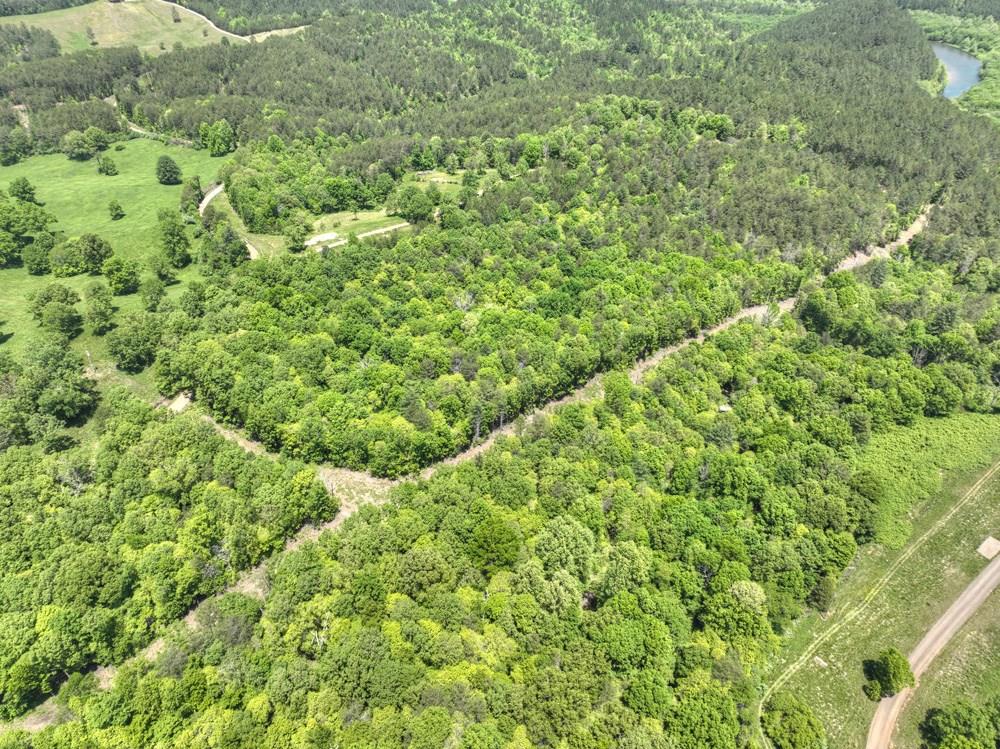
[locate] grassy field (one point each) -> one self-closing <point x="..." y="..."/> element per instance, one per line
<point x="345" y="223"/>
<point x="968" y="669"/>
<point x="78" y="197"/>
<point x="872" y="611"/>
<point x="267" y="245"/>
<point x="145" y="23"/>
<point x="448" y="184"/>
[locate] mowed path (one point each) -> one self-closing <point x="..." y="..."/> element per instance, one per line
<point x="884" y="723"/>
<point x="355" y="489"/>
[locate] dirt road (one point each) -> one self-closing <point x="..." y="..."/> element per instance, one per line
<point x="258" y="37"/>
<point x="593" y="388"/>
<point x="842" y="619"/>
<point x="209" y="196"/>
<point x="323" y="239"/>
<point x="355" y="489"/>
<point x="884" y="722"/>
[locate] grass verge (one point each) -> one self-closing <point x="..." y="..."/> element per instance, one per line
<point x="934" y="462"/>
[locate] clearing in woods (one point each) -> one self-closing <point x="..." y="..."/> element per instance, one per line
<point x="147" y="24"/>
<point x="78" y="197"/>
<point x="934" y="472"/>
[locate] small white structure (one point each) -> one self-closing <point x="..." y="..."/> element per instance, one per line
<point x="989" y="548"/>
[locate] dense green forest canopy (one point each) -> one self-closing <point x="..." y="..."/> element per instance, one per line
<point x="619" y="572"/>
<point x="104" y="544"/>
<point x="623" y="209"/>
<point x="613" y="577"/>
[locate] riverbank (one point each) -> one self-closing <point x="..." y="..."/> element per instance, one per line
<point x="971" y="39"/>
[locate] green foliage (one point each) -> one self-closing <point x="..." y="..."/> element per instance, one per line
<point x="53" y="308"/>
<point x="158" y="514"/>
<point x="892" y="672"/>
<point x="152" y="291"/>
<point x="106" y="166"/>
<point x="134" y="340"/>
<point x="790" y="724"/>
<point x="93" y="251"/>
<point x="115" y="210"/>
<point x="45" y="392"/>
<point x="222" y="248"/>
<point x="100" y="308"/>
<point x="960" y="724"/>
<point x="219" y="138"/>
<point x="191" y="195"/>
<point x="412" y="204"/>
<point x="77" y="147"/>
<point x="35" y="255"/>
<point x="20" y="222"/>
<point x="122" y="275"/>
<point x="167" y="171"/>
<point x="21" y="189"/>
<point x="174" y="242"/>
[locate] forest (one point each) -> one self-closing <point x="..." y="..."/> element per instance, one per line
<point x="433" y="325"/>
<point x="603" y="180"/>
<point x="612" y="577"/>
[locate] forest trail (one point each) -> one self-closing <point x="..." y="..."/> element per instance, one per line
<point x="355" y="489"/>
<point x="355" y="481"/>
<point x="879" y="586"/>
<point x="139" y="130"/>
<point x="214" y="192"/>
<point x="937" y="637"/>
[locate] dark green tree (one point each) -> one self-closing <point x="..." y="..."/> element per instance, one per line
<point x="21" y="189"/>
<point x="174" y="242"/>
<point x="167" y="171"/>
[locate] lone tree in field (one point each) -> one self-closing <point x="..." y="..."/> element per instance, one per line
<point x="892" y="672"/>
<point x="106" y="166"/>
<point x="167" y="171"/>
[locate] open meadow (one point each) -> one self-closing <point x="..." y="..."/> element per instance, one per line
<point x="78" y="197"/>
<point x="147" y="24"/>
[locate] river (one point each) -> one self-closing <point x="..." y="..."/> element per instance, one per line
<point x="963" y="69"/>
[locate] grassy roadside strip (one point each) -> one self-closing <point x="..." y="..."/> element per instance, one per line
<point x="891" y="596"/>
<point x="968" y="669"/>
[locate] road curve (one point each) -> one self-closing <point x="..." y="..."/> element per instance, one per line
<point x="884" y="723"/>
<point x="206" y="19"/>
<point x="209" y="196"/>
<point x="259" y="36"/>
<point x="356" y="489"/>
<point x="338" y="478"/>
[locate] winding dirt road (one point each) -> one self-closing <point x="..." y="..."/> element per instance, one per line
<point x="875" y="591"/>
<point x="938" y="636"/>
<point x="355" y="489"/>
<point x="355" y="484"/>
<point x="260" y="36"/>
